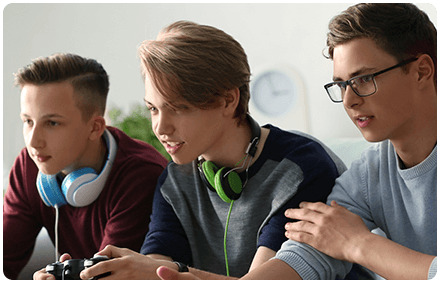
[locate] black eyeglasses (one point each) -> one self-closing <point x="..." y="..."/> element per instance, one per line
<point x="364" y="85"/>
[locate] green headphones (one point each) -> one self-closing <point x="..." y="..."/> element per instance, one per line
<point x="225" y="181"/>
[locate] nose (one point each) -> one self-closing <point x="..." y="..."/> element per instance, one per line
<point x="163" y="125"/>
<point x="35" y="137"/>
<point x="351" y="99"/>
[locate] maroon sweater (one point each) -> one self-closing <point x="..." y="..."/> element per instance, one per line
<point x="120" y="216"/>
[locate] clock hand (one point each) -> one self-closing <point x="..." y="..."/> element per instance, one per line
<point x="280" y="92"/>
<point x="272" y="86"/>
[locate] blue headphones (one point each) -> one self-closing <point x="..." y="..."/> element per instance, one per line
<point x="80" y="187"/>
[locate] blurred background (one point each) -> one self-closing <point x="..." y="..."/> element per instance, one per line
<point x="288" y="36"/>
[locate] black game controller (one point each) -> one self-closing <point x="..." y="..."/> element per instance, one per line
<point x="70" y="269"/>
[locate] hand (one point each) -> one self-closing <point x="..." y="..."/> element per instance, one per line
<point x="166" y="273"/>
<point x="333" y="230"/>
<point x="42" y="275"/>
<point x="125" y="264"/>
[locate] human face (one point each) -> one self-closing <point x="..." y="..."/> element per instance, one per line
<point x="387" y="114"/>
<point x="186" y="132"/>
<point x="55" y="134"/>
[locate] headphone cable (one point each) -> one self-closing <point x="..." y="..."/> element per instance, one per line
<point x="230" y="208"/>
<point x="224" y="239"/>
<point x="57" y="215"/>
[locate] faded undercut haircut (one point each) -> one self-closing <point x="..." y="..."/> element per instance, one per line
<point x="197" y="64"/>
<point x="88" y="78"/>
<point x="400" y="29"/>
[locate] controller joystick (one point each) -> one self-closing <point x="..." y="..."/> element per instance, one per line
<point x="70" y="269"/>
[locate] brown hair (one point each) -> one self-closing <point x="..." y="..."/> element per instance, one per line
<point x="196" y="63"/>
<point x="88" y="78"/>
<point x="400" y="29"/>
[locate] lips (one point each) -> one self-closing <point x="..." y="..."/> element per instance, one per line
<point x="172" y="147"/>
<point x="42" y="158"/>
<point x="363" y="121"/>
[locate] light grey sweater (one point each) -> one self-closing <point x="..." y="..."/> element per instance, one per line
<point x="403" y="203"/>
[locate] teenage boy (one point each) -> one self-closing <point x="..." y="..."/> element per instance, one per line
<point x="384" y="71"/>
<point x="101" y="181"/>
<point x="224" y="164"/>
<point x="385" y="75"/>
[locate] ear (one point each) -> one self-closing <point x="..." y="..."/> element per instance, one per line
<point x="425" y="70"/>
<point x="97" y="127"/>
<point x="232" y="98"/>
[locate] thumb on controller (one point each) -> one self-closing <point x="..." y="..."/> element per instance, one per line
<point x="65" y="257"/>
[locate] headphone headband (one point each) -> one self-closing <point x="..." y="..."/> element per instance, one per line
<point x="256" y="134"/>
<point x="225" y="181"/>
<point x="91" y="190"/>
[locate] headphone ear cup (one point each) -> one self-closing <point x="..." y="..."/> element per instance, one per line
<point x="76" y="182"/>
<point x="229" y="187"/>
<point x="49" y="190"/>
<point x="209" y="169"/>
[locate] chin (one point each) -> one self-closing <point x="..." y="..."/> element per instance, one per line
<point x="372" y="138"/>
<point x="47" y="172"/>
<point x="181" y="161"/>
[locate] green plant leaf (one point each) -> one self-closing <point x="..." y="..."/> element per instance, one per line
<point x="137" y="125"/>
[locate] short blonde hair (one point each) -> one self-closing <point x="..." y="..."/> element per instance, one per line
<point x="198" y="64"/>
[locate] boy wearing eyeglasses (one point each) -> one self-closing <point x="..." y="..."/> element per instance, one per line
<point x="384" y="74"/>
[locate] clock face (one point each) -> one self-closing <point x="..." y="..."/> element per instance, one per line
<point x="278" y="97"/>
<point x="274" y="93"/>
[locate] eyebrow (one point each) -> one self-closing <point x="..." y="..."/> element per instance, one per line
<point x="45" y="116"/>
<point x="148" y="102"/>
<point x="151" y="104"/>
<point x="363" y="70"/>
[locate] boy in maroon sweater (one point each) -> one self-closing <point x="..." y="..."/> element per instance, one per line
<point x="63" y="101"/>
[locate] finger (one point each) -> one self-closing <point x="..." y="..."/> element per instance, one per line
<point x="113" y="252"/>
<point x="295" y="213"/>
<point x="98" y="269"/>
<point x="301" y="214"/>
<point x="42" y="275"/>
<point x="301" y="237"/>
<point x="315" y="206"/>
<point x="65" y="257"/>
<point x="301" y="226"/>
<point x="166" y="273"/>
<point x="107" y="251"/>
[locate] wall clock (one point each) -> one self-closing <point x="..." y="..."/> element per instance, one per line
<point x="278" y="98"/>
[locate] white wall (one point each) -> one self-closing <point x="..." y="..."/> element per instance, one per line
<point x="292" y="34"/>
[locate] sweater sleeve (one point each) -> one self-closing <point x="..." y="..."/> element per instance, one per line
<point x="310" y="264"/>
<point x="20" y="227"/>
<point x="166" y="235"/>
<point x="432" y="269"/>
<point x="314" y="188"/>
<point x="350" y="190"/>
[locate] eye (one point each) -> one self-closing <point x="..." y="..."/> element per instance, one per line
<point x="28" y="122"/>
<point x="52" y="123"/>
<point x="363" y="79"/>
<point x="151" y="108"/>
<point x="341" y="85"/>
